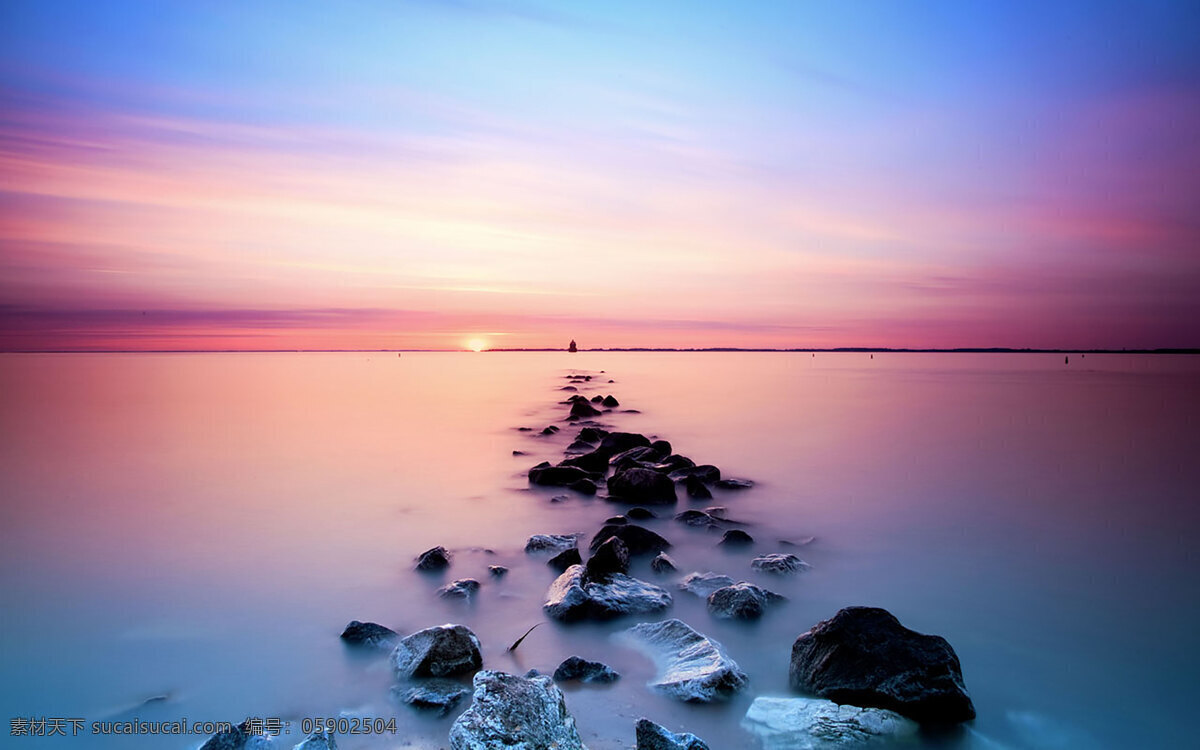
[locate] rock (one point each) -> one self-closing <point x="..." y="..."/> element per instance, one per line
<point x="616" y="442"/>
<point x="591" y="435"/>
<point x="640" y="514"/>
<point x="318" y="740"/>
<point x="616" y="521"/>
<point x="610" y="402"/>
<point x="560" y="498"/>
<point x="433" y="559"/>
<point x="370" y="634"/>
<point x="436" y="695"/>
<point x="550" y="543"/>
<point x="741" y="601"/>
<point x="498" y="571"/>
<point x="691" y="667"/>
<point x="524" y="429"/>
<point x="674" y="462"/>
<point x="716" y="511"/>
<point x="864" y="656"/>
<point x="734" y="484"/>
<point x="584" y="409"/>
<point x="557" y="476"/>
<point x="520" y="453"/>
<point x="442" y="651"/>
<point x="234" y="738"/>
<point x="577" y="668"/>
<point x="703" y="584"/>
<point x="697" y="518"/>
<point x="583" y="486"/>
<point x="651" y="736"/>
<point x="662" y="563"/>
<point x="612" y="556"/>
<point x="661" y="447"/>
<point x="779" y="564"/>
<point x="515" y="713"/>
<point x="696" y="489"/>
<point x="637" y="485"/>
<point x="573" y="399"/>
<point x="597" y="398"/>
<point x="579" y="447"/>
<point x="565" y="559"/>
<point x="595" y="461"/>
<point x="568" y="388"/>
<point x="703" y="472"/>
<point x="815" y="724"/>
<point x="463" y="588"/>
<point x="632" y="457"/>
<point x="735" y="538"/>
<point x="550" y="430"/>
<point x="638" y="540"/>
<point x="573" y="596"/>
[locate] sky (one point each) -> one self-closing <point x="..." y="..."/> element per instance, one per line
<point x="463" y="173"/>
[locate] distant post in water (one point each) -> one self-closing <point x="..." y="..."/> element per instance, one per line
<point x="572" y="347"/>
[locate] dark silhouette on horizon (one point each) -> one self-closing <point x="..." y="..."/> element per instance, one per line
<point x="572" y="347"/>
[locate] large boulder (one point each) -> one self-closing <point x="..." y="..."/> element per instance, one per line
<point x="641" y="486"/>
<point x="515" y="713"/>
<point x="370" y="634"/>
<point x="815" y="724"/>
<point x="582" y="670"/>
<point x="691" y="667"/>
<point x="741" y="601"/>
<point x="651" y="736"/>
<point x="573" y="596"/>
<point x="864" y="656"/>
<point x="442" y="651"/>
<point x="638" y="539"/>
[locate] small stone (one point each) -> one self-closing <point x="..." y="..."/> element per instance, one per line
<point x="779" y="564"/>
<point x="440" y="696"/>
<point x="736" y="537"/>
<point x="498" y="571"/>
<point x="662" y="563"/>
<point x="610" y="402"/>
<point x="703" y="584"/>
<point x="741" y="601"/>
<point x="433" y="559"/>
<point x="550" y="542"/>
<point x="369" y="634"/>
<point x="734" y="484"/>
<point x="651" y="736"/>
<point x="463" y="588"/>
<point x="640" y="514"/>
<point x="578" y="668"/>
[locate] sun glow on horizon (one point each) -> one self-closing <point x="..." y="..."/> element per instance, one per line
<point x="477" y="345"/>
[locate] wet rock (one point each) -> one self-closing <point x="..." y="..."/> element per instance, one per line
<point x="573" y="399"/>
<point x="815" y="724"/>
<point x="370" y="634"/>
<point x="318" y="740"/>
<point x="632" y="457"/>
<point x="697" y="518"/>
<point x="439" y="696"/>
<point x="550" y="542"/>
<point x="573" y="597"/>
<point x="594" y="461"/>
<point x="616" y="521"/>
<point x="703" y="472"/>
<point x="736" y="538"/>
<point x="234" y="738"/>
<point x="442" y="651"/>
<point x="637" y="485"/>
<point x="638" y="540"/>
<point x="463" y="588"/>
<point x="520" y="453"/>
<point x="662" y="563"/>
<point x="597" y="399"/>
<point x="524" y="429"/>
<point x="616" y="442"/>
<point x="703" y="584"/>
<point x="612" y="556"/>
<point x="779" y="564"/>
<point x="741" y="601"/>
<point x="696" y="489"/>
<point x="568" y="388"/>
<point x="584" y="409"/>
<point x="640" y="514"/>
<point x="674" y="462"/>
<point x="498" y="571"/>
<point x="515" y="713"/>
<point x="591" y="434"/>
<point x="651" y="736"/>
<point x="864" y="656"/>
<point x="557" y="476"/>
<point x="433" y="559"/>
<point x="565" y="559"/>
<point x="549" y="430"/>
<point x="579" y="447"/>
<point x="734" y="484"/>
<point x="661" y="447"/>
<point x="583" y="486"/>
<point x="577" y="668"/>
<point x="716" y="511"/>
<point x="691" y="667"/>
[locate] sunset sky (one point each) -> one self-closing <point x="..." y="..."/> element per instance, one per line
<point x="425" y="174"/>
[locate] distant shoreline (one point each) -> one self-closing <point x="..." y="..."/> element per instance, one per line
<point x="837" y="350"/>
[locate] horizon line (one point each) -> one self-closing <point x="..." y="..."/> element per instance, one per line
<point x="713" y="349"/>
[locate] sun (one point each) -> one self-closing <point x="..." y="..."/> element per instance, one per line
<point x="477" y="345"/>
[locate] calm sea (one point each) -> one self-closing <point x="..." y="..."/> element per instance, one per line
<point x="196" y="529"/>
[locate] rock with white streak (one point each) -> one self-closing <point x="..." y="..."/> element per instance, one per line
<point x="691" y="666"/>
<point x="818" y="724"/>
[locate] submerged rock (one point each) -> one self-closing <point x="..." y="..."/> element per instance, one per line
<point x="779" y="564"/>
<point x="578" y="668"/>
<point x="550" y="542"/>
<point x="638" y="485"/>
<point x="584" y="409"/>
<point x="549" y="430"/>
<point x="698" y="518"/>
<point x="610" y="402"/>
<point x="594" y="461"/>
<point x="691" y="667"/>
<point x="433" y="559"/>
<point x="369" y="634"/>
<point x="736" y="537"/>
<point x="703" y="472"/>
<point x="440" y="696"/>
<point x="579" y="447"/>
<point x="463" y="588"/>
<point x="651" y="736"/>
<point x="640" y="514"/>
<point x="734" y="484"/>
<point x="591" y="434"/>
<point x="616" y="442"/>
<point x="864" y="656"/>
<point x="616" y="521"/>
<point x="610" y="557"/>
<point x="597" y="398"/>
<point x="573" y="596"/>
<point x="583" y="486"/>
<point x="565" y="559"/>
<point x="639" y="540"/>
<point x="815" y="724"/>
<point x="703" y="584"/>
<point x="557" y="476"/>
<point x="442" y="651"/>
<point x="741" y="601"/>
<point x="515" y="713"/>
<point x="632" y="457"/>
<point x="498" y="571"/>
<point x="662" y="563"/>
<point x="696" y="489"/>
<point x="318" y="740"/>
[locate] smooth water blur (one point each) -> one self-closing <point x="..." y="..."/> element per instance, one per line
<point x="202" y="526"/>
